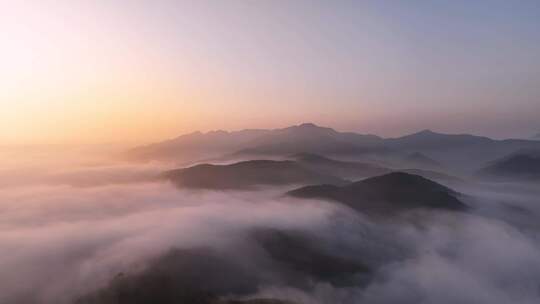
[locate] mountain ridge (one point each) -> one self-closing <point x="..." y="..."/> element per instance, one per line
<point x="247" y="174"/>
<point x="521" y="165"/>
<point x="389" y="193"/>
<point x="458" y="151"/>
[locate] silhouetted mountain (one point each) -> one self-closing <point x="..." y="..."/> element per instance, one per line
<point x="309" y="137"/>
<point x="433" y="175"/>
<point x="522" y="165"/>
<point x="286" y="141"/>
<point x="421" y="161"/>
<point x="198" y="276"/>
<point x="458" y="151"/>
<point x="461" y="151"/>
<point x="428" y="139"/>
<point x="358" y="170"/>
<point x="387" y="193"/>
<point x="195" y="145"/>
<point x="247" y="174"/>
<point x="208" y="276"/>
<point x="536" y="137"/>
<point x="302" y="255"/>
<point x="343" y="169"/>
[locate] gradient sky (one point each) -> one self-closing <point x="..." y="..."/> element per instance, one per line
<point x="138" y="71"/>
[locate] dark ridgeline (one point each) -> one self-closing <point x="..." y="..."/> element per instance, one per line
<point x="353" y="170"/>
<point x="422" y="150"/>
<point x="195" y="145"/>
<point x="206" y="276"/>
<point x="304" y="259"/>
<point x="197" y="276"/>
<point x="244" y="175"/>
<point x="306" y="169"/>
<point x="312" y="138"/>
<point x="522" y="165"/>
<point x="343" y="169"/>
<point x="388" y="193"/>
<point x="421" y="161"/>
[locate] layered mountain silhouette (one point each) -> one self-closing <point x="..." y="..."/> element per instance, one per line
<point x="352" y="170"/>
<point x="460" y="151"/>
<point x="304" y="169"/>
<point x="457" y="151"/>
<point x="427" y="140"/>
<point x="392" y="192"/>
<point x="309" y="137"/>
<point x="286" y="141"/>
<point x="434" y="175"/>
<point x="247" y="174"/>
<point x="343" y="169"/>
<point x="421" y="161"/>
<point x="195" y="145"/>
<point x="522" y="165"/>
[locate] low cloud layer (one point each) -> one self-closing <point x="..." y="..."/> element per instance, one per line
<point x="61" y="241"/>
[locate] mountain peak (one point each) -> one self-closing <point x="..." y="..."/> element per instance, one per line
<point x="387" y="193"/>
<point x="402" y="179"/>
<point x="306" y="156"/>
<point x="426" y="132"/>
<point x="308" y="124"/>
<point x="521" y="165"/>
<point x="310" y="128"/>
<point x="217" y="132"/>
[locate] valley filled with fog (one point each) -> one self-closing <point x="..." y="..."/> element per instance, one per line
<point x="388" y="223"/>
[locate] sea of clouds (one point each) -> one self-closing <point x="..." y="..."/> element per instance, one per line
<point x="67" y="230"/>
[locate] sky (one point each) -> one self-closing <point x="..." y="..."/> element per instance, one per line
<point x="88" y="72"/>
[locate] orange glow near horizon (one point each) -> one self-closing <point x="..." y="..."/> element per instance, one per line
<point x="84" y="72"/>
<point x="82" y="84"/>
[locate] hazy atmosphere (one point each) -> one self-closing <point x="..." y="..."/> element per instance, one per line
<point x="269" y="152"/>
<point x="140" y="71"/>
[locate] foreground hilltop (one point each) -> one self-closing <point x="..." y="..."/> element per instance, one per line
<point x="205" y="275"/>
<point x="392" y="192"/>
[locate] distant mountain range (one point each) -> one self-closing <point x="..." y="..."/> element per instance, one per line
<point x="426" y="149"/>
<point x="419" y="160"/>
<point x="312" y="138"/>
<point x="519" y="166"/>
<point x="387" y="194"/>
<point x="195" y="145"/>
<point x="296" y="139"/>
<point x="343" y="169"/>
